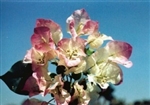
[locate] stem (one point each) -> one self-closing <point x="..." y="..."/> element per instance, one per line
<point x="70" y="78"/>
<point x="50" y="101"/>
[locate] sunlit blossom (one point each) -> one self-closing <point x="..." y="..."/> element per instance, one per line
<point x="120" y="52"/>
<point x="107" y="72"/>
<point x="61" y="96"/>
<point x="93" y="91"/>
<point x="96" y="39"/>
<point x="103" y="71"/>
<point x="41" y="39"/>
<point x="84" y="65"/>
<point x="71" y="51"/>
<point x="80" y="94"/>
<point x="32" y="89"/>
<point x="76" y="22"/>
<point x="42" y="78"/>
<point x="55" y="30"/>
<point x="81" y="67"/>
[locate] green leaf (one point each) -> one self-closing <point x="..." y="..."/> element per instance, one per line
<point x="89" y="51"/>
<point x="16" y="77"/>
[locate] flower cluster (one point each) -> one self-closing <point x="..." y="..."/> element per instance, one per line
<point x="85" y="65"/>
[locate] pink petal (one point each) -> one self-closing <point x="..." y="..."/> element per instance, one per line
<point x="120" y="52"/>
<point x="53" y="83"/>
<point x="32" y="89"/>
<point x="63" y="44"/>
<point x="47" y="23"/>
<point x="80" y="43"/>
<point x="120" y="48"/>
<point x="90" y="27"/>
<point x="42" y="78"/>
<point x="77" y="69"/>
<point x="54" y="28"/>
<point x="51" y="54"/>
<point x="72" y="29"/>
<point x="122" y="60"/>
<point x="41" y="39"/>
<point x="71" y="63"/>
<point x="40" y="81"/>
<point x="41" y="35"/>
<point x="43" y="47"/>
<point x="79" y="17"/>
<point x="70" y="45"/>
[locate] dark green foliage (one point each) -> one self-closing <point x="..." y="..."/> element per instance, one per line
<point x="108" y="93"/>
<point x="83" y="83"/>
<point x="16" y="77"/>
<point x="67" y="86"/>
<point x="60" y="69"/>
<point x="52" y="75"/>
<point x="76" y="76"/>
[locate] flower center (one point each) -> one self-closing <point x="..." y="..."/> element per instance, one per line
<point x="102" y="79"/>
<point x="41" y="60"/>
<point x="72" y="54"/>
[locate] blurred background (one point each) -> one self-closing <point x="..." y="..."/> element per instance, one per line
<point x="124" y="20"/>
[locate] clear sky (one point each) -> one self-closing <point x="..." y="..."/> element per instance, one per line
<point x="124" y="21"/>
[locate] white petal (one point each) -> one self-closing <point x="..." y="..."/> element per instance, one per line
<point x="105" y="37"/>
<point x="96" y="43"/>
<point x="104" y="85"/>
<point x="91" y="78"/>
<point x="57" y="36"/>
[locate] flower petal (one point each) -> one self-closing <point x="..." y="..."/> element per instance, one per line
<point x="77" y="20"/>
<point x="71" y="51"/>
<point x="90" y="27"/>
<point x="41" y="39"/>
<point x="54" y="28"/>
<point x="32" y="89"/>
<point x="77" y="69"/>
<point x="120" y="52"/>
<point x="95" y="40"/>
<point x="41" y="35"/>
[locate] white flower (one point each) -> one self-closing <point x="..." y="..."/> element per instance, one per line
<point x="102" y="71"/>
<point x="93" y="91"/>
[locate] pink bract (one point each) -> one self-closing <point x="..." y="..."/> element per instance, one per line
<point x="41" y="39"/>
<point x="120" y="52"/>
<point x="71" y="51"/>
<point x="55" y="29"/>
<point x="32" y="89"/>
<point x="90" y="27"/>
<point x="76" y="21"/>
<point x="41" y="76"/>
<point x="81" y="60"/>
<point x="80" y="94"/>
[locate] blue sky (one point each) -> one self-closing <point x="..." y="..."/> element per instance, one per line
<point x="124" y="21"/>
